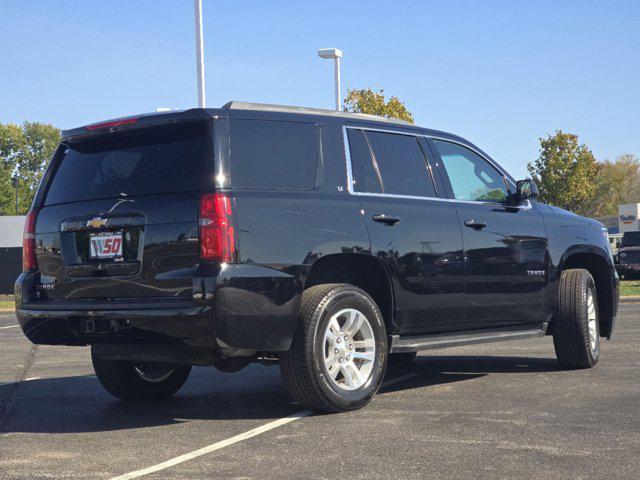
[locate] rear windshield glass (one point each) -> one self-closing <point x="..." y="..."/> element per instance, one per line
<point x="160" y="161"/>
<point x="631" y="239"/>
<point x="273" y="155"/>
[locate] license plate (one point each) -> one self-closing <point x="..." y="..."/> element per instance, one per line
<point x="105" y="245"/>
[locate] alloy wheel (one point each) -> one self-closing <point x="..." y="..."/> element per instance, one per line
<point x="349" y="349"/>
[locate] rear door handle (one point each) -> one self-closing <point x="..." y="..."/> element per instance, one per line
<point x="475" y="224"/>
<point x="386" y="219"/>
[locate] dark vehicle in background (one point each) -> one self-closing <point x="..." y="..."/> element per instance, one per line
<point x="628" y="256"/>
<point x="333" y="243"/>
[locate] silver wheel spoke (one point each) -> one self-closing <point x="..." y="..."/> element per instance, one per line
<point x="366" y="356"/>
<point x="352" y="375"/>
<point x="592" y="318"/>
<point x="332" y="359"/>
<point x="333" y="331"/>
<point x="354" y="322"/>
<point x="370" y="343"/>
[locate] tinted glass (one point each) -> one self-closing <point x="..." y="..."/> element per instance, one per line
<point x="471" y="176"/>
<point x="400" y="163"/>
<point x="273" y="155"/>
<point x="365" y="177"/>
<point x="160" y="161"/>
<point x="631" y="239"/>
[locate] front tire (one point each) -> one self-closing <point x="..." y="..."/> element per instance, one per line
<point x="576" y="330"/>
<point x="139" y="380"/>
<point x="338" y="356"/>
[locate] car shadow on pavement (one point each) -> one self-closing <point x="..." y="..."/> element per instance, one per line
<point x="427" y="370"/>
<point x="79" y="404"/>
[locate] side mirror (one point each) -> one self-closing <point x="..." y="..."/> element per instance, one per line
<point x="526" y="189"/>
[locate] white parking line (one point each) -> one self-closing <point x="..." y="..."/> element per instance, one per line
<point x="237" y="438"/>
<point x="215" y="446"/>
<point x="9" y="326"/>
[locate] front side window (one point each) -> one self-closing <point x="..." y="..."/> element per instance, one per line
<point x="471" y="176"/>
<point x="270" y="155"/>
<point x="389" y="163"/>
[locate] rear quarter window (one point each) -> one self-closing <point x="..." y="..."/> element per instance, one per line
<point x="164" y="160"/>
<point x="273" y="155"/>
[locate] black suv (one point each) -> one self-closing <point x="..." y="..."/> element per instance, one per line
<point x="629" y="255"/>
<point x="333" y="243"/>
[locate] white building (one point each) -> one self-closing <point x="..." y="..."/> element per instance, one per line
<point x="10" y="251"/>
<point x="628" y="217"/>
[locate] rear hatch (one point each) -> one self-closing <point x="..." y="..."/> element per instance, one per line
<point x="118" y="218"/>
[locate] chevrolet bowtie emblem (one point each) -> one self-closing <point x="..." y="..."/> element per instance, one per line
<point x="97" y="222"/>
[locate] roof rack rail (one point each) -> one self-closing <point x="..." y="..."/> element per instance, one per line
<point x="237" y="105"/>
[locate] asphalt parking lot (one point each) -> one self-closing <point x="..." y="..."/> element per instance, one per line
<point x="487" y="411"/>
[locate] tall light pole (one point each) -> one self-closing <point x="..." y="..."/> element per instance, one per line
<point x="336" y="54"/>
<point x="197" y="5"/>
<point x="16" y="181"/>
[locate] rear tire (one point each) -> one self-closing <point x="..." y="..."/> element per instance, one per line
<point x="338" y="355"/>
<point x="576" y="331"/>
<point x="139" y="380"/>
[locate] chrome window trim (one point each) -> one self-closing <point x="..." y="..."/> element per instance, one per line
<point x="350" y="189"/>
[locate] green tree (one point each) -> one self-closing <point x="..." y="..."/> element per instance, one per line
<point x="25" y="151"/>
<point x="374" y="103"/>
<point x="565" y="172"/>
<point x="615" y="183"/>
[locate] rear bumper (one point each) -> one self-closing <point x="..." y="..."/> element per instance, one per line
<point x="234" y="310"/>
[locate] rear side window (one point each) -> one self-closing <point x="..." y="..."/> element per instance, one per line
<point x="160" y="161"/>
<point x="365" y="176"/>
<point x="270" y="155"/>
<point x="389" y="163"/>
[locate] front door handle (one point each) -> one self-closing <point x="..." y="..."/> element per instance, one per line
<point x="475" y="224"/>
<point x="386" y="219"/>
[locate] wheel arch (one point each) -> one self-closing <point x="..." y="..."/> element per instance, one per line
<point x="600" y="269"/>
<point x="362" y="270"/>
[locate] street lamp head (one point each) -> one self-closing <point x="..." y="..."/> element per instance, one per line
<point x="329" y="53"/>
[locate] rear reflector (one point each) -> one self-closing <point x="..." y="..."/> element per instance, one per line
<point x="114" y="123"/>
<point x="216" y="230"/>
<point x="29" y="242"/>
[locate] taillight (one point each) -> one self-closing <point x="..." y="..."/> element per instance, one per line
<point x="111" y="124"/>
<point x="216" y="229"/>
<point x="29" y="242"/>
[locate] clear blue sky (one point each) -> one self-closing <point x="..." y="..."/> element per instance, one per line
<point x="501" y="73"/>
